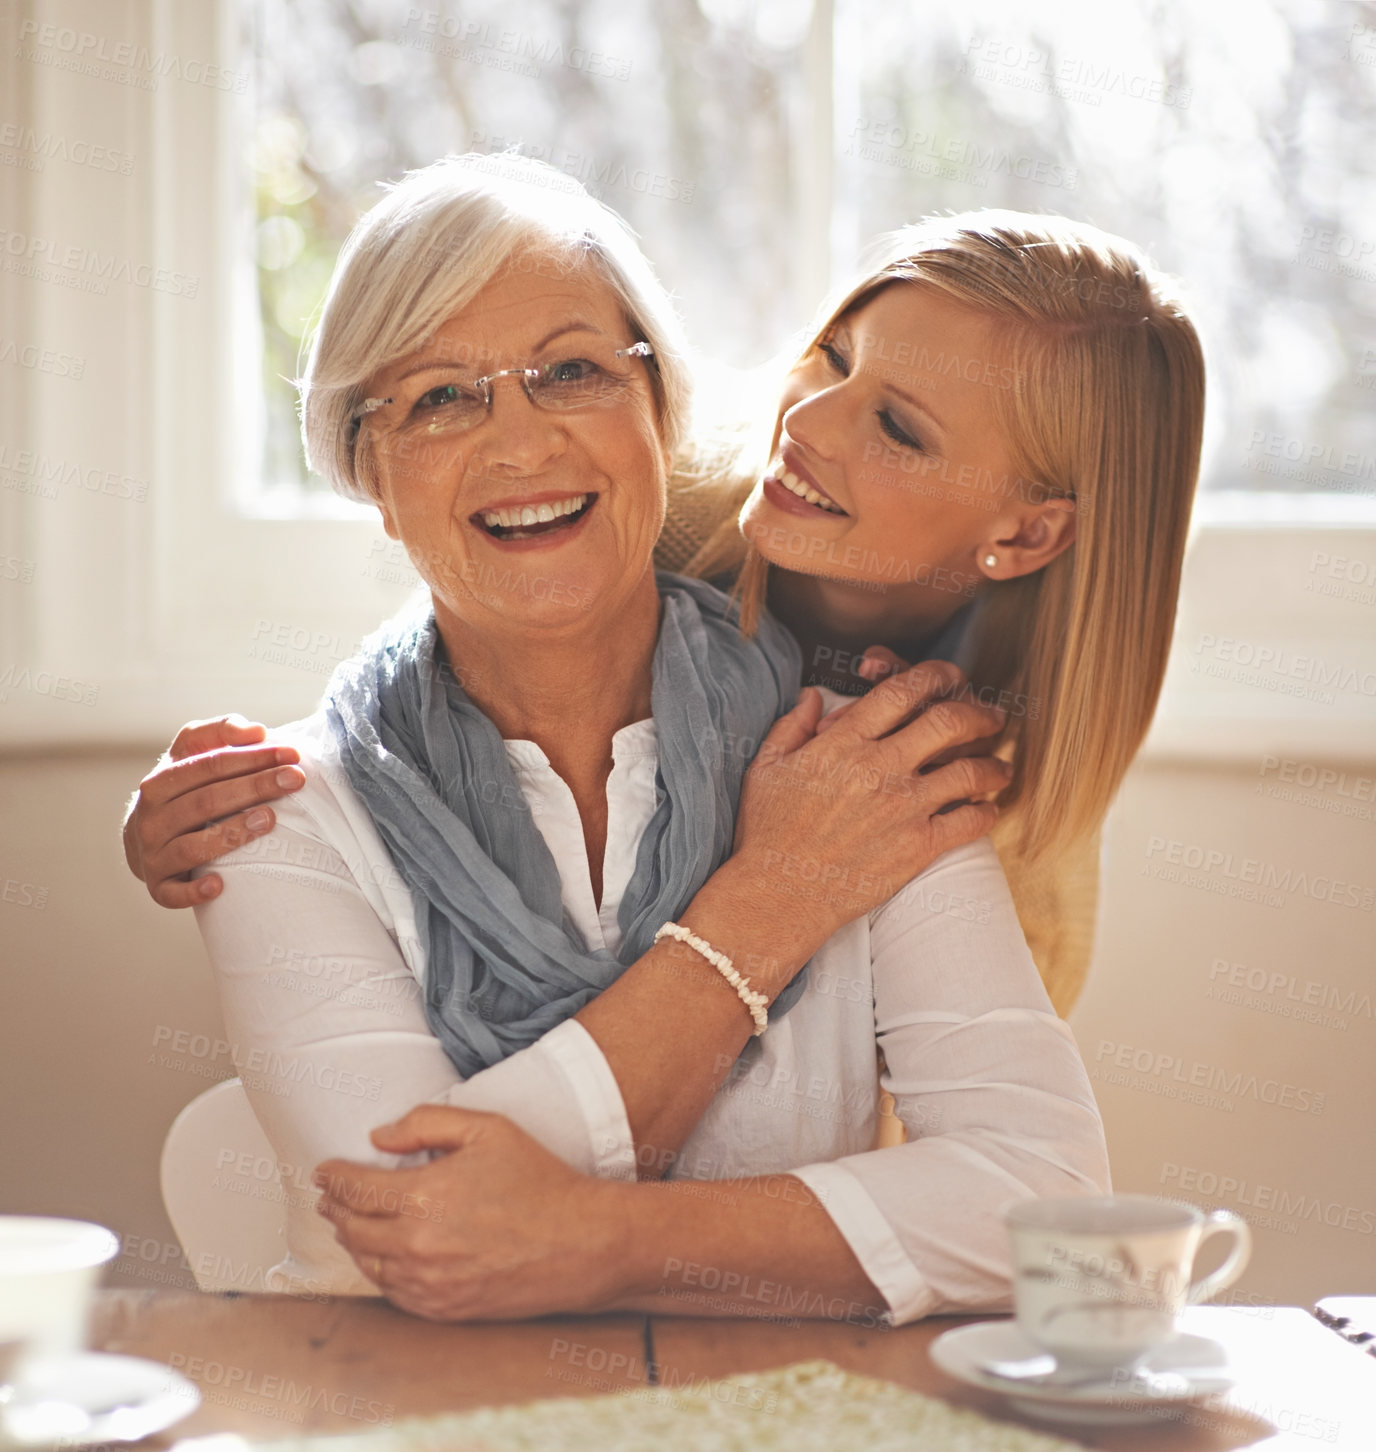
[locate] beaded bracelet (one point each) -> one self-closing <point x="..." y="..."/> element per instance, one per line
<point x="757" y="1003"/>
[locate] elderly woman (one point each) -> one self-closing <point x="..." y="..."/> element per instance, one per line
<point x="509" y="860"/>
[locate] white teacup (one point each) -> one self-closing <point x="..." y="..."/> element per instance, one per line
<point x="48" y="1269"/>
<point x="1101" y="1282"/>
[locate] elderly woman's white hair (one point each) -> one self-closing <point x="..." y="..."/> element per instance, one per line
<point x="425" y="251"/>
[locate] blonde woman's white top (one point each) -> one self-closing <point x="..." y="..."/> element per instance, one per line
<point x="315" y="952"/>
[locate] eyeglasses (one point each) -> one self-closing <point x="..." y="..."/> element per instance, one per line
<point x="571" y="383"/>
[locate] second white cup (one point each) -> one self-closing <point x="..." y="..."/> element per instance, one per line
<point x="1099" y="1283"/>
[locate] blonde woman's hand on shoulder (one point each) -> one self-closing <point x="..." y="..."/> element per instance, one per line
<point x="203" y="799"/>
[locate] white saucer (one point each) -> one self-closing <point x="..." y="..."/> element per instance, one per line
<point x="93" y="1397"/>
<point x="1116" y="1400"/>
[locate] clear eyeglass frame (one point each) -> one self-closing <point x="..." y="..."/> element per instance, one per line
<point x="543" y="387"/>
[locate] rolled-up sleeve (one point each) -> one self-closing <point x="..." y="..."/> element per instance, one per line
<point x="988" y="1083"/>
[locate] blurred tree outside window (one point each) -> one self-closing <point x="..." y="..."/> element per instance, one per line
<point x="1232" y="139"/>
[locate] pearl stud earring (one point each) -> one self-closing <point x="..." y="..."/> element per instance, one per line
<point x="990" y="561"/>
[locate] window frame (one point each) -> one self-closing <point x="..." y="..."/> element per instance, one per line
<point x="200" y="607"/>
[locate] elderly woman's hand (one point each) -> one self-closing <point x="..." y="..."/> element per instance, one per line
<point x="495" y="1228"/>
<point x="203" y="802"/>
<point x="833" y="824"/>
<point x="878" y="663"/>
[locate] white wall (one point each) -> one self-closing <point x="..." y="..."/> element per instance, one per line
<point x="91" y="971"/>
<point x="1167" y="1014"/>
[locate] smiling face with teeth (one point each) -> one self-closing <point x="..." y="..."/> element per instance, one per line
<point x="531" y="516"/>
<point x="890" y="467"/>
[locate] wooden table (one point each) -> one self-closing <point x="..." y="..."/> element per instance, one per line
<point x="274" y="1367"/>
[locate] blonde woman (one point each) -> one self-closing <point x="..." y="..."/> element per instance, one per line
<point x="987" y="451"/>
<point x="1006" y="411"/>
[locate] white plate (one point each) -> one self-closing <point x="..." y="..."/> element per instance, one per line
<point x="94" y="1397"/>
<point x="1201" y="1362"/>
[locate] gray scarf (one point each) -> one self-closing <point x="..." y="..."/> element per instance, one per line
<point x="503" y="965"/>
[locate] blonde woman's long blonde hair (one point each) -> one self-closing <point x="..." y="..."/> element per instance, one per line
<point x="1109" y="410"/>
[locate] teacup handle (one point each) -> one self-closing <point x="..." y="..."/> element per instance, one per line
<point x="1223" y="1221"/>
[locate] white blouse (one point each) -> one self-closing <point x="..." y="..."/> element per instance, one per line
<point x="315" y="952"/>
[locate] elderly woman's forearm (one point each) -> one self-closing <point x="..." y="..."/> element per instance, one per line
<point x="671" y="1026"/>
<point x="762" y="1247"/>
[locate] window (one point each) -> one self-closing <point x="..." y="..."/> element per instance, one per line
<point x="756" y="146"/>
<point x="172" y="560"/>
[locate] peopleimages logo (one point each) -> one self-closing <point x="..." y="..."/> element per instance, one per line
<point x="84" y="53"/>
<point x="1204" y="866"/>
<point x="955" y="157"/>
<point x="1277" y="669"/>
<point x="1321" y="788"/>
<point x="261" y="1068"/>
<point x="42" y="360"/>
<point x="512" y="50"/>
<point x="44" y="146"/>
<point x="1076" y="78"/>
<point x="1283" y="994"/>
<point x="45" y="683"/>
<point x="30" y="471"/>
<point x="1175" y="1078"/>
<point x="41" y="255"/>
<point x="289" y="1401"/>
<point x="1268" y="1199"/>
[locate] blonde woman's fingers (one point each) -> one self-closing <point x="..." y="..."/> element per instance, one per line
<point x="200" y="736"/>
